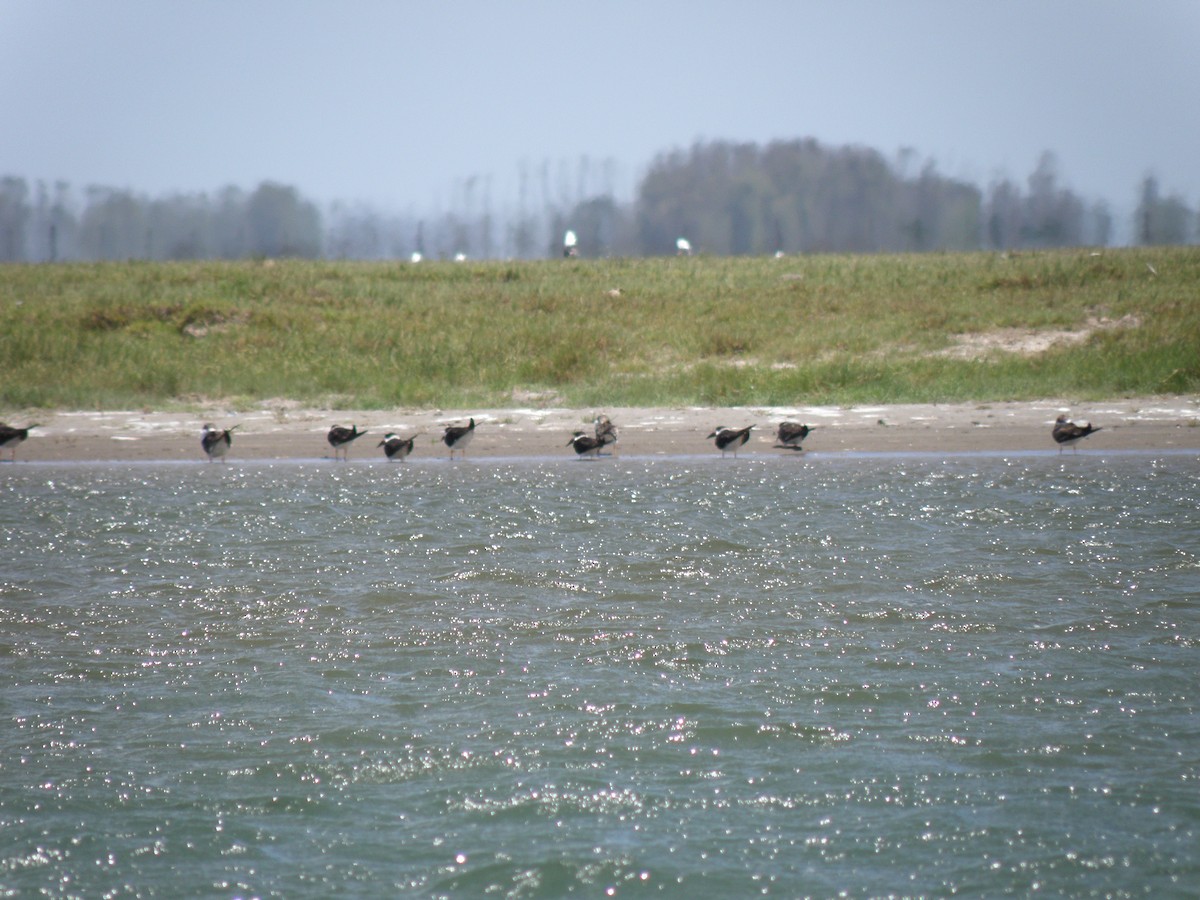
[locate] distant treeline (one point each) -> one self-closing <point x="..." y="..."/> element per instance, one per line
<point x="726" y="198"/>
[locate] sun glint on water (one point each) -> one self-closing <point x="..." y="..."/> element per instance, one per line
<point x="906" y="676"/>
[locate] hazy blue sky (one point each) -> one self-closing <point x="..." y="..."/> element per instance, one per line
<point x="396" y="103"/>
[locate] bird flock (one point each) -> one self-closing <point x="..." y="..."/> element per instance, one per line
<point x="788" y="436"/>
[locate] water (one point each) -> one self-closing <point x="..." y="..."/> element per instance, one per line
<point x="857" y="676"/>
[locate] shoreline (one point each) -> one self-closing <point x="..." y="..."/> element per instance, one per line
<point x="276" y="430"/>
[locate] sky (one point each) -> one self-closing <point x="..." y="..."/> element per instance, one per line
<point x="397" y="105"/>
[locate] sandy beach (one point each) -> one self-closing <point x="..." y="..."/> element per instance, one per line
<point x="285" y="431"/>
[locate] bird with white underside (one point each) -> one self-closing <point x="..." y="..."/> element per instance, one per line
<point x="216" y="441"/>
<point x="790" y="435"/>
<point x="340" y="437"/>
<point x="729" y="439"/>
<point x="1067" y="434"/>
<point x="456" y="437"/>
<point x="10" y="437"/>
<point x="396" y="447"/>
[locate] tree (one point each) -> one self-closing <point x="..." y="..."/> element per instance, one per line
<point x="602" y="227"/>
<point x="796" y="196"/>
<point x="113" y="226"/>
<point x="1098" y="225"/>
<point x="282" y="224"/>
<point x="1053" y="216"/>
<point x="14" y="218"/>
<point x="1161" y="220"/>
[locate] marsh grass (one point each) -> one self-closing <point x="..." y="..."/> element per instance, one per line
<point x="699" y="331"/>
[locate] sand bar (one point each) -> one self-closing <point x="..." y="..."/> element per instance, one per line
<point x="281" y="430"/>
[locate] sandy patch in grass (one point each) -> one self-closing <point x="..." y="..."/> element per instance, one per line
<point x="1029" y="341"/>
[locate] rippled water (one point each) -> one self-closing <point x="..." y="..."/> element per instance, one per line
<point x="802" y="676"/>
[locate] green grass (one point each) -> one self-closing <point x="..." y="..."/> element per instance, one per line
<point x="701" y="331"/>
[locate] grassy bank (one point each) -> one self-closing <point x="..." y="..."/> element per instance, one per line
<point x="697" y="331"/>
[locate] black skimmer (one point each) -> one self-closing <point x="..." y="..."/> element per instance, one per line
<point x="10" y="437"/>
<point x="216" y="442"/>
<point x="1066" y="432"/>
<point x="458" y="436"/>
<point x="728" y="439"/>
<point x="395" y="447"/>
<point x="791" y="435"/>
<point x="605" y="429"/>
<point x="586" y="445"/>
<point x="340" y="437"/>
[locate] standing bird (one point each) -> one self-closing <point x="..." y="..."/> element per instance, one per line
<point x="728" y="439"/>
<point x="586" y="445"/>
<point x="1065" y="432"/>
<point x="396" y="447"/>
<point x="458" y="436"/>
<point x="683" y="247"/>
<point x="790" y="435"/>
<point x="10" y="437"/>
<point x="340" y="437"/>
<point x="569" y="245"/>
<point x="605" y="429"/>
<point x="216" y="443"/>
